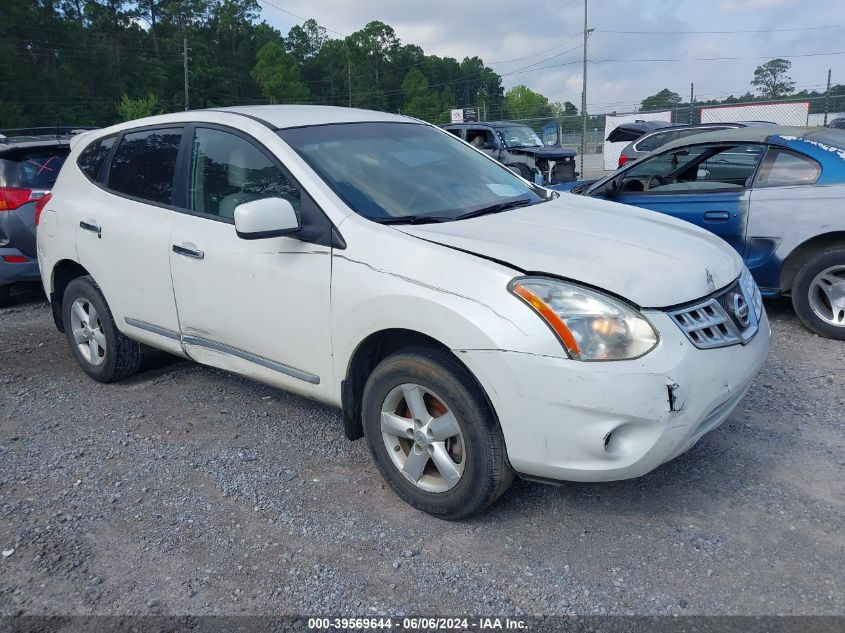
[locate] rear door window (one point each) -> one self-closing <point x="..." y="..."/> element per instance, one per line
<point x="144" y="164"/>
<point x="91" y="159"/>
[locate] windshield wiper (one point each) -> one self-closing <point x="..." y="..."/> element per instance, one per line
<point x="495" y="208"/>
<point x="412" y="219"/>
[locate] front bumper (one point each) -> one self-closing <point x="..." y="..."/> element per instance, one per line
<point x="10" y="273"/>
<point x="602" y="421"/>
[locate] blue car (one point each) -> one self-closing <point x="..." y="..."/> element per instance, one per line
<point x="776" y="194"/>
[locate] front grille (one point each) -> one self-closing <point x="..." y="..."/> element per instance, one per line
<point x="728" y="318"/>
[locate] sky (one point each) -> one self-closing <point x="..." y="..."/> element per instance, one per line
<point x="538" y="44"/>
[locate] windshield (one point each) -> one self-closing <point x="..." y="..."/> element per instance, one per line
<point x="520" y="136"/>
<point x="394" y="172"/>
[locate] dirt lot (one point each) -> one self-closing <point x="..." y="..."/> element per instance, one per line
<point x="187" y="490"/>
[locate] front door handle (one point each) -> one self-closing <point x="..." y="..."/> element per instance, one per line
<point x="188" y="252"/>
<point x="717" y="216"/>
<point x="90" y="225"/>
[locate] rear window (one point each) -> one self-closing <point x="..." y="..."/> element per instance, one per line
<point x="32" y="169"/>
<point x="91" y="159"/>
<point x="144" y="164"/>
<point x="830" y="136"/>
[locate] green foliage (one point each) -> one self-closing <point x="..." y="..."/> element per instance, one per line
<point x="278" y="75"/>
<point x="71" y="61"/>
<point x="663" y="100"/>
<point x="772" y="80"/>
<point x="523" y="103"/>
<point x="420" y="102"/>
<point x="130" y="109"/>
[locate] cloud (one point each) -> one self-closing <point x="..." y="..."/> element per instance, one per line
<point x="732" y="6"/>
<point x="527" y="42"/>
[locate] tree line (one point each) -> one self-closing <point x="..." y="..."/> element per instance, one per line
<point x="95" y="62"/>
<point x="98" y="61"/>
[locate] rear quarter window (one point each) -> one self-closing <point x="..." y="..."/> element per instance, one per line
<point x="91" y="159"/>
<point x="783" y="168"/>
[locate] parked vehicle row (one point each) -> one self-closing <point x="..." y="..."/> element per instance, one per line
<point x="775" y="194"/>
<point x="470" y="324"/>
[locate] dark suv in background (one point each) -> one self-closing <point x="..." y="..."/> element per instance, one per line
<point x="30" y="160"/>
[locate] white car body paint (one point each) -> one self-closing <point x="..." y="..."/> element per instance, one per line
<point x="287" y="304"/>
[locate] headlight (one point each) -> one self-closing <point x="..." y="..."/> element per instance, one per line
<point x="751" y="291"/>
<point x="589" y="324"/>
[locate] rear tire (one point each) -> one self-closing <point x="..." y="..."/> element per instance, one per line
<point x="102" y="351"/>
<point x="471" y="452"/>
<point x="818" y="294"/>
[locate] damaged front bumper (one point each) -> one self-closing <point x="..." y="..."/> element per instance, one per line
<point x="602" y="421"/>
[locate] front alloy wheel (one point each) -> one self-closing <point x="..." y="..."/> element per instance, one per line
<point x="433" y="435"/>
<point x="422" y="437"/>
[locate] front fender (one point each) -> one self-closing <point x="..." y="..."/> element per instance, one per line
<point x="457" y="298"/>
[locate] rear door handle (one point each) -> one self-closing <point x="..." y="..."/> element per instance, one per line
<point x="90" y="225"/>
<point x="717" y="216"/>
<point x="188" y="252"/>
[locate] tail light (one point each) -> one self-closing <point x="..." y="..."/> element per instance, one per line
<point x="11" y="198"/>
<point x="623" y="159"/>
<point x="39" y="206"/>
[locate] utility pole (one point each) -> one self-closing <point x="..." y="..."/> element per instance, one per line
<point x="584" y="94"/>
<point x="349" y="73"/>
<point x="185" y="66"/>
<point x="827" y="98"/>
<point x="691" y="100"/>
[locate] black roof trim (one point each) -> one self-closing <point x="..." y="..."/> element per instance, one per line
<point x="263" y="122"/>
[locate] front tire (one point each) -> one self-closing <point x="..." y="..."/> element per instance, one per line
<point x="102" y="351"/>
<point x="522" y="170"/>
<point x="818" y="294"/>
<point x="433" y="435"/>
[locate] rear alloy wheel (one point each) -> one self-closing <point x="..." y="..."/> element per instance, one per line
<point x="99" y="347"/>
<point x="433" y="435"/>
<point x="819" y="293"/>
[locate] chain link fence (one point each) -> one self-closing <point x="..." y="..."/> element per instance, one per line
<point x="567" y="130"/>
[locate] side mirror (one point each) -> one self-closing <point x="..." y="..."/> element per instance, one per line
<point x="268" y="217"/>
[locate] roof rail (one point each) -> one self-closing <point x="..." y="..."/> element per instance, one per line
<point x="50" y="130"/>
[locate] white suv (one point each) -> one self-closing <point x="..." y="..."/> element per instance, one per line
<point x="471" y="325"/>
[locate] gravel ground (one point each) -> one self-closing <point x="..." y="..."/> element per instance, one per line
<point x="186" y="490"/>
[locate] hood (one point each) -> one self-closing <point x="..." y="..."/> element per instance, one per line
<point x="646" y="257"/>
<point x="550" y="152"/>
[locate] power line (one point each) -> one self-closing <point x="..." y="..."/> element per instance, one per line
<point x="517" y="59"/>
<point x="298" y="17"/>
<point x="740" y="31"/>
